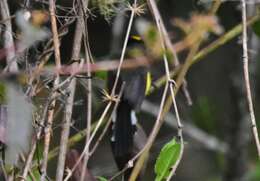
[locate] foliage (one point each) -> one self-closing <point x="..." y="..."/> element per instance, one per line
<point x="167" y="159"/>
<point x="256" y="28"/>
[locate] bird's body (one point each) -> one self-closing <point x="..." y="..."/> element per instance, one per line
<point x="124" y="132"/>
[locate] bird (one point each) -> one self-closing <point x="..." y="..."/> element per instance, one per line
<point x="31" y="26"/>
<point x="127" y="135"/>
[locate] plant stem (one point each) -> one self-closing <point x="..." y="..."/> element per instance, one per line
<point x="47" y="130"/>
<point x="247" y="81"/>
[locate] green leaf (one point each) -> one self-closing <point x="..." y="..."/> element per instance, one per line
<point x="167" y="159"/>
<point x="102" y="179"/>
<point x="256" y="28"/>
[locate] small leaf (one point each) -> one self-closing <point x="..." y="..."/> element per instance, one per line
<point x="166" y="159"/>
<point x="102" y="179"/>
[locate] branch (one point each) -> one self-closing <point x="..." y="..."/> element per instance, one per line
<point x="168" y="44"/>
<point x="247" y="81"/>
<point x="162" y="34"/>
<point x="8" y="38"/>
<point x="65" y="130"/>
<point x="124" y="46"/>
<point x="47" y="130"/>
<point x="223" y="39"/>
<point x="208" y="141"/>
<point x="83" y="23"/>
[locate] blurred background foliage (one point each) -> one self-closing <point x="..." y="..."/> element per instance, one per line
<point x="215" y="84"/>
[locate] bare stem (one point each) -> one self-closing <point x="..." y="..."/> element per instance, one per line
<point x="168" y="44"/>
<point x="8" y="37"/>
<point x="89" y="93"/>
<point x="247" y="81"/>
<point x="65" y="130"/>
<point x="100" y="121"/>
<point x="34" y="141"/>
<point x="145" y="151"/>
<point x="124" y="48"/>
<point x="157" y="126"/>
<point x="47" y="134"/>
<point x="47" y="130"/>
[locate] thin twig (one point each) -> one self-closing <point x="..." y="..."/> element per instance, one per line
<point x="180" y="136"/>
<point x="65" y="130"/>
<point x="168" y="44"/>
<point x="223" y="39"/>
<point x="172" y="83"/>
<point x="7" y="19"/>
<point x="47" y="130"/>
<point x="8" y="38"/>
<point x="145" y="151"/>
<point x="34" y="142"/>
<point x="83" y="23"/>
<point x="124" y="47"/>
<point x="108" y="121"/>
<point x="144" y="155"/>
<point x="100" y="121"/>
<point x="70" y="100"/>
<point x="206" y="140"/>
<point x="247" y="81"/>
<point x="47" y="135"/>
<point x="112" y="93"/>
<point x="89" y="110"/>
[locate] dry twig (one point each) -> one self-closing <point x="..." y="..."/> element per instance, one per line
<point x="47" y="129"/>
<point x="247" y="81"/>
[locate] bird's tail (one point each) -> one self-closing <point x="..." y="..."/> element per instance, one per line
<point x="123" y="130"/>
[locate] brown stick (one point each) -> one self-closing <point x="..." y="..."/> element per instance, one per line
<point x="47" y="129"/>
<point x="247" y="81"/>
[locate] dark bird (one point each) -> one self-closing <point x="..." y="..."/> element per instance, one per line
<point x="127" y="136"/>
